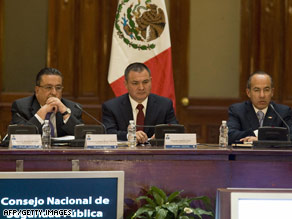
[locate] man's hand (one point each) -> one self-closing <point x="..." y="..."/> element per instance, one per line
<point x="56" y="105"/>
<point x="141" y="137"/>
<point x="249" y="139"/>
<point x="53" y="104"/>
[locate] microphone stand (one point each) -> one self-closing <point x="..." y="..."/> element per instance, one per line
<point x="92" y="117"/>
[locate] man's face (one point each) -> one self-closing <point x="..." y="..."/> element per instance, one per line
<point x="50" y="86"/>
<point x="261" y="91"/>
<point x="139" y="85"/>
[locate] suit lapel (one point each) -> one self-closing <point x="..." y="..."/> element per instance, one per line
<point x="35" y="106"/>
<point x="150" y="112"/>
<point x="269" y="117"/>
<point x="126" y="109"/>
<point x="252" y="117"/>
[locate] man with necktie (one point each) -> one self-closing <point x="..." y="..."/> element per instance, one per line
<point x="145" y="108"/>
<point x="47" y="104"/>
<point x="245" y="118"/>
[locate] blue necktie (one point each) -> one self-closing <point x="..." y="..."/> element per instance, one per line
<point x="48" y="117"/>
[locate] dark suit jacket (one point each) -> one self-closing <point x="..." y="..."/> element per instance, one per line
<point x="28" y="106"/>
<point x="243" y="120"/>
<point x="117" y="112"/>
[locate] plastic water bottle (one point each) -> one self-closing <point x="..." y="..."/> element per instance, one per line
<point x="46" y="137"/>
<point x="223" y="134"/>
<point x="132" y="134"/>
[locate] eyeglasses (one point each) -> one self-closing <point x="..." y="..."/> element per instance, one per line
<point x="58" y="88"/>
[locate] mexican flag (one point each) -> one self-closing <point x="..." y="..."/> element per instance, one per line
<point x="141" y="34"/>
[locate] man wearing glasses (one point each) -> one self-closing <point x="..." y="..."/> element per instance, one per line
<point x="47" y="103"/>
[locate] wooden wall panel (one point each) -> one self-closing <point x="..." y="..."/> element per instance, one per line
<point x="249" y="41"/>
<point x="107" y="11"/>
<point x="287" y="79"/>
<point x="91" y="26"/>
<point x="204" y="116"/>
<point x="179" y="33"/>
<point x="271" y="41"/>
<point x="1" y="40"/>
<point x="62" y="40"/>
<point x="89" y="57"/>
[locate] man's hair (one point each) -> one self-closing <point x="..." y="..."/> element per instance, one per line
<point x="137" y="67"/>
<point x="47" y="71"/>
<point x="248" y="84"/>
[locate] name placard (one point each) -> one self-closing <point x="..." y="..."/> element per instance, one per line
<point x="100" y="141"/>
<point x="180" y="141"/>
<point x="27" y="141"/>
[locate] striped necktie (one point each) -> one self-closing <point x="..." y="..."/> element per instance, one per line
<point x="48" y="117"/>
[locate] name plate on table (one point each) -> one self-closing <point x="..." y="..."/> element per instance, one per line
<point x="180" y="141"/>
<point x="100" y="141"/>
<point x="27" y="141"/>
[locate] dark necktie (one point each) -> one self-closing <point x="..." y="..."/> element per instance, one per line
<point x="260" y="116"/>
<point x="140" y="118"/>
<point x="48" y="117"/>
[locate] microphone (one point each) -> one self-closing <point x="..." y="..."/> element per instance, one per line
<point x="288" y="128"/>
<point x="28" y="122"/>
<point x="92" y="117"/>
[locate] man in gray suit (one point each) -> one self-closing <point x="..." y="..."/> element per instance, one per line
<point x="47" y="103"/>
<point x="117" y="112"/>
<point x="245" y="118"/>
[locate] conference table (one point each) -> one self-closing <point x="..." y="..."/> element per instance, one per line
<point x="197" y="172"/>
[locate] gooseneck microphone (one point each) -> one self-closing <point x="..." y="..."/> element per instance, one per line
<point x="92" y="117"/>
<point x="288" y="128"/>
<point x="28" y="122"/>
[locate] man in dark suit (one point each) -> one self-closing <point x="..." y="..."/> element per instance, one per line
<point x="245" y="118"/>
<point x="47" y="103"/>
<point x="117" y="112"/>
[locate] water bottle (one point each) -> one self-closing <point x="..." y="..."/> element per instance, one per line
<point x="132" y="134"/>
<point x="46" y="137"/>
<point x="223" y="134"/>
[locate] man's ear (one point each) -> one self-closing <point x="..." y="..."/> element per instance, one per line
<point x="247" y="92"/>
<point x="272" y="92"/>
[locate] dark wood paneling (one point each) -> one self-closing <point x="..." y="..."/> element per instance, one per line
<point x="108" y="12"/>
<point x="90" y="25"/>
<point x="287" y="88"/>
<point x="62" y="41"/>
<point x="249" y="41"/>
<point x="1" y="41"/>
<point x="179" y="24"/>
<point x="88" y="57"/>
<point x="271" y="42"/>
<point x="5" y="120"/>
<point x="204" y="117"/>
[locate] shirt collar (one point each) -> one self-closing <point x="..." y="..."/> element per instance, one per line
<point x="135" y="103"/>
<point x="263" y="110"/>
